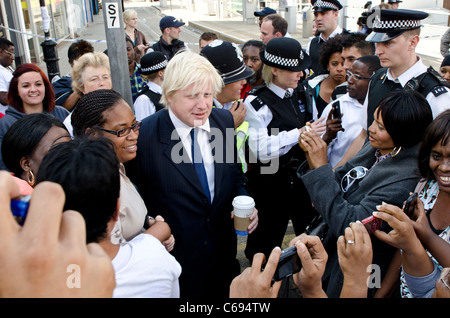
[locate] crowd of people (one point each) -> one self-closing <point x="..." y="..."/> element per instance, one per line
<point x="346" y="130"/>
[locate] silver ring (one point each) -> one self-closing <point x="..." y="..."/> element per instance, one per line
<point x="350" y="242"/>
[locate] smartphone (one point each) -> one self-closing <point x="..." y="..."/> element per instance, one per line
<point x="336" y="111"/>
<point x="410" y="205"/>
<point x="19" y="208"/>
<point x="372" y="224"/>
<point x="289" y="264"/>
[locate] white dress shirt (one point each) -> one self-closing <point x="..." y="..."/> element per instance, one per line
<point x="203" y="139"/>
<point x="438" y="104"/>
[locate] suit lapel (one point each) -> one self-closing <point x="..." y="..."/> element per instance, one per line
<point x="175" y="152"/>
<point x="218" y="162"/>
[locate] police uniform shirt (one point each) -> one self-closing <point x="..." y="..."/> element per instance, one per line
<point x="438" y="100"/>
<point x="261" y="144"/>
<point x="226" y="106"/>
<point x="143" y="106"/>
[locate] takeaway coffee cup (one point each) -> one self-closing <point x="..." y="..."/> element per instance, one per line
<point x="243" y="206"/>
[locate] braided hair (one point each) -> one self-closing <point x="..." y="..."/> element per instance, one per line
<point x="90" y="108"/>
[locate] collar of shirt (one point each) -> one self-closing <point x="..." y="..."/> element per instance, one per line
<point x="154" y="87"/>
<point x="184" y="130"/>
<point x="414" y="71"/>
<point x="346" y="98"/>
<point x="336" y="31"/>
<point x="279" y="91"/>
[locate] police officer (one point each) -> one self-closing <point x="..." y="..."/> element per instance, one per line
<point x="396" y="35"/>
<point x="277" y="112"/>
<point x="394" y="3"/>
<point x="152" y="69"/>
<point x="326" y="19"/>
<point x="227" y="58"/>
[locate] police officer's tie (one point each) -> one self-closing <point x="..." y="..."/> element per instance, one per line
<point x="287" y="94"/>
<point x="197" y="161"/>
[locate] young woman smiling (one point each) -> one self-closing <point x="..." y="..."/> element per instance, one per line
<point x="30" y="92"/>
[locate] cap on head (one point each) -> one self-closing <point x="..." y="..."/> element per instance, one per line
<point x="227" y="58"/>
<point x="153" y="62"/>
<point x="264" y="12"/>
<point x="325" y="5"/>
<point x="394" y="1"/>
<point x="387" y="24"/>
<point x="169" y="21"/>
<point x="285" y="53"/>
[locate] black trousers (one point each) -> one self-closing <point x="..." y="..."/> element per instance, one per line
<point x="278" y="197"/>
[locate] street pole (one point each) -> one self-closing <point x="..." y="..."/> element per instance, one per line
<point x="49" y="46"/>
<point x="117" y="52"/>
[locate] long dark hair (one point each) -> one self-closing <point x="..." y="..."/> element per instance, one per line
<point x="24" y="136"/>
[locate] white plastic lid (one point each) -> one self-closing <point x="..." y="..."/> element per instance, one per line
<point x="243" y="202"/>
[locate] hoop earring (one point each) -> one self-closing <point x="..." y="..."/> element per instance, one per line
<point x="31" y="181"/>
<point x="396" y="151"/>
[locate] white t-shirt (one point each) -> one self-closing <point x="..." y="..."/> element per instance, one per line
<point x="144" y="268"/>
<point x="352" y="110"/>
<point x="5" y="78"/>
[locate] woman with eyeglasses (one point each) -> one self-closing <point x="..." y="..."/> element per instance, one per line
<point x="383" y="171"/>
<point x="104" y="113"/>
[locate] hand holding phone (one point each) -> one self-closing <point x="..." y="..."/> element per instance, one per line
<point x="410" y="205"/>
<point x="372" y="224"/>
<point x="336" y="111"/>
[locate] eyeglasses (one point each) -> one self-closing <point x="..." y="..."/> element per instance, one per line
<point x="10" y="53"/>
<point x="350" y="177"/>
<point x="124" y="131"/>
<point x="357" y="77"/>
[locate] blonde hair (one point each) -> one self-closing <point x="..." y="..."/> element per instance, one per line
<point x="96" y="59"/>
<point x="128" y="14"/>
<point x="267" y="74"/>
<point x="187" y="68"/>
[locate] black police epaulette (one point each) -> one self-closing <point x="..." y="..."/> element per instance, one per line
<point x="439" y="89"/>
<point x="257" y="103"/>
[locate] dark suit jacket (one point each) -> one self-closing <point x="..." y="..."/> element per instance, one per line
<point x="205" y="242"/>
